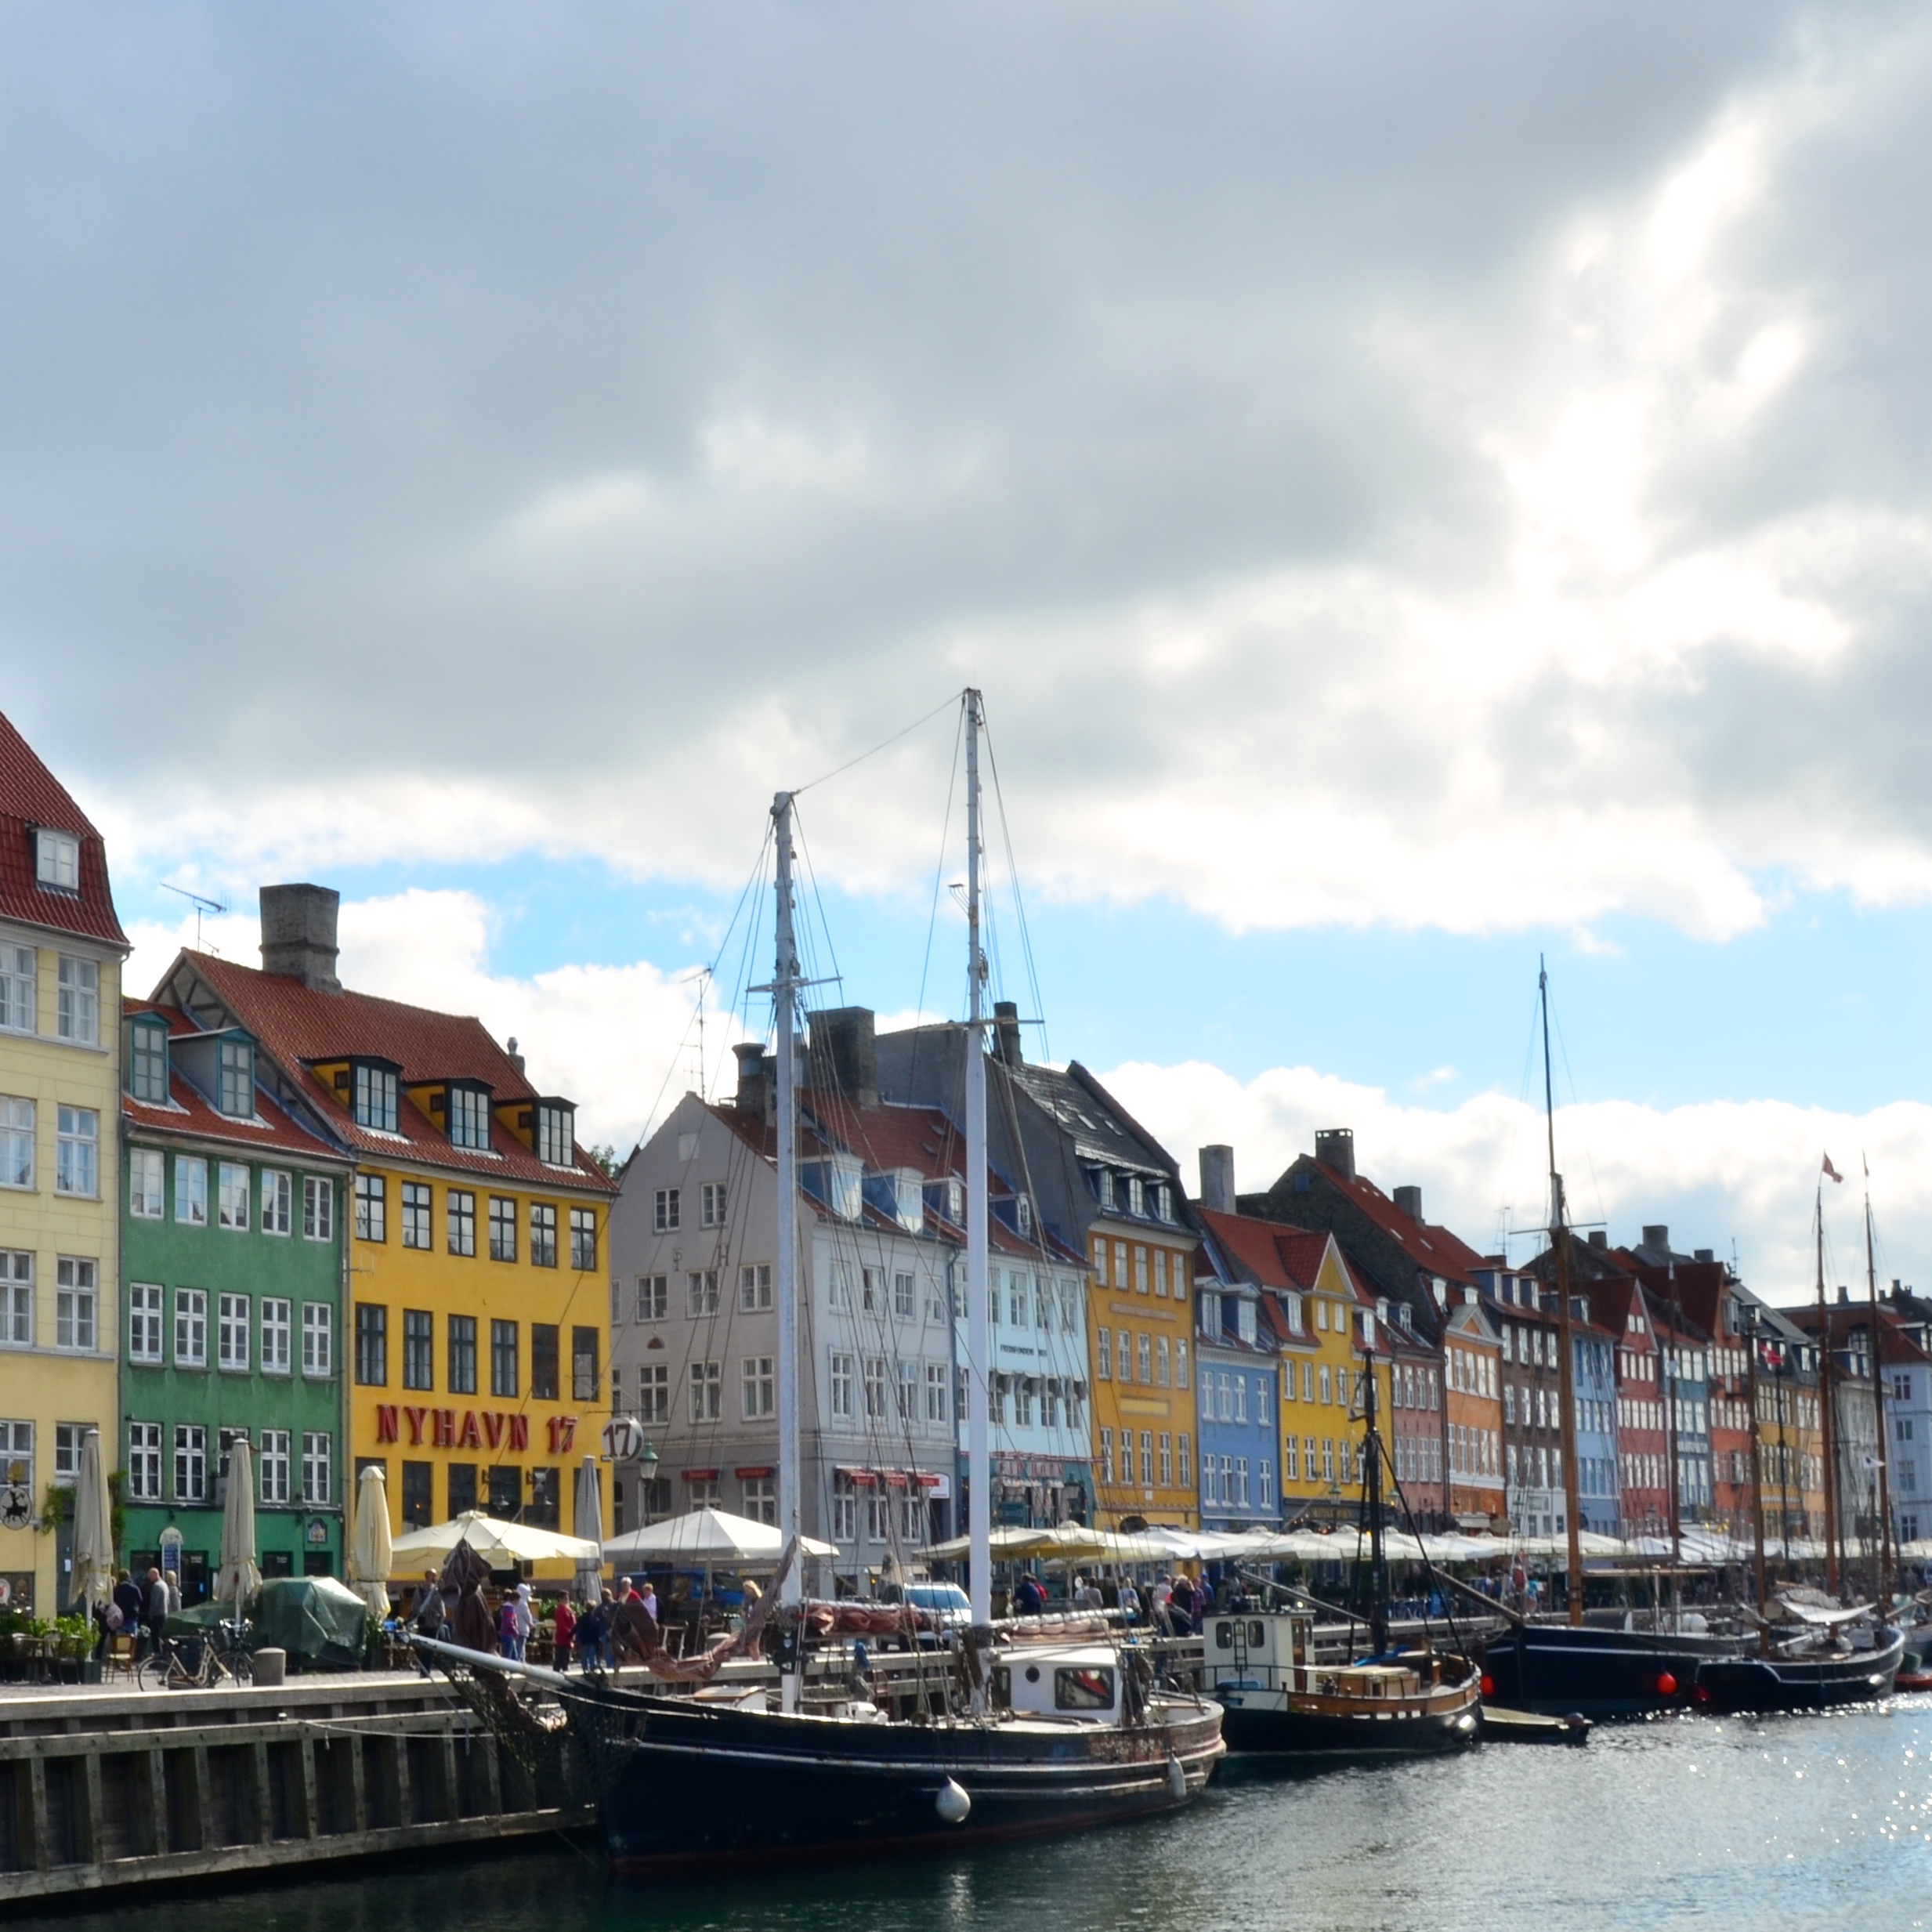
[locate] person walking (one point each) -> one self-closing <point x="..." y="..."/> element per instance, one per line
<point x="564" y="1637"/>
<point x="156" y="1609"/>
<point x="129" y="1602"/>
<point x="432" y="1617"/>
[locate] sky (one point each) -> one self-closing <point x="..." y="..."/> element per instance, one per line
<point x="1423" y="490"/>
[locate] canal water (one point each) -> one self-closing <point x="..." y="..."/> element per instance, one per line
<point x="1752" y="1825"/>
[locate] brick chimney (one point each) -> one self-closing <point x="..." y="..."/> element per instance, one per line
<point x="845" y="1053"/>
<point x="1408" y="1201"/>
<point x="1335" y="1149"/>
<point x="1007" y="1033"/>
<point x="299" y="934"/>
<point x="1217" y="1179"/>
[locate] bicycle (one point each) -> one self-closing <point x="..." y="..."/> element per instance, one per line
<point x="222" y="1655"/>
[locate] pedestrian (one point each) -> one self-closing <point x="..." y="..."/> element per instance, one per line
<point x="156" y="1609"/>
<point x="432" y="1619"/>
<point x="509" y="1639"/>
<point x="526" y="1619"/>
<point x="1029" y="1595"/>
<point x="1162" y="1599"/>
<point x="565" y="1637"/>
<point x="128" y="1599"/>
<point x="1130" y="1602"/>
<point x="650" y="1600"/>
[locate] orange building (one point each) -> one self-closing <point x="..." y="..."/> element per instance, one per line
<point x="1472" y="1357"/>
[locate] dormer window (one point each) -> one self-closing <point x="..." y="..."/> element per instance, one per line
<point x="469" y="1116"/>
<point x="235" y="1086"/>
<point x="556" y="1134"/>
<point x="375" y="1095"/>
<point x="147" y="1061"/>
<point x="1136" y="1196"/>
<point x="57" y="861"/>
<point x="1100" y="1179"/>
<point x="1244" y="1320"/>
<point x="1163" y="1202"/>
<point x="1023" y="1218"/>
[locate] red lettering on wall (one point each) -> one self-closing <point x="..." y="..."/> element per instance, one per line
<point x="469" y="1438"/>
<point x="445" y="1422"/>
<point x="562" y="1433"/>
<point x="385" y="1422"/>
<point x="519" y="1432"/>
<point x="414" y="1418"/>
<point x="492" y="1428"/>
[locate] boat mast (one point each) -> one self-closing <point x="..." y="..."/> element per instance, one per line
<point x="1749" y="1326"/>
<point x="784" y="1012"/>
<point x="1884" y="1565"/>
<point x="1378" y="1562"/>
<point x="1827" y="1434"/>
<point x="979" y="1338"/>
<point x="1560" y="1249"/>
<point x="1671" y="1465"/>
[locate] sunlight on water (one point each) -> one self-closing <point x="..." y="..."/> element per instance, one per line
<point x="1771" y="1825"/>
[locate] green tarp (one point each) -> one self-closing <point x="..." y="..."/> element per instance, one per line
<point x="312" y="1618"/>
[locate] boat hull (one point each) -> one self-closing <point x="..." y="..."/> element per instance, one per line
<point x="701" y="1789"/>
<point x="1556" y="1668"/>
<point x="1271" y="1729"/>
<point x="1770" y="1683"/>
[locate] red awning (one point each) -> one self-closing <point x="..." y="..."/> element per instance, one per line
<point x="700" y="1475"/>
<point x="763" y="1470"/>
<point x="864" y="1477"/>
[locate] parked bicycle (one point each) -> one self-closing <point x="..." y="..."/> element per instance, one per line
<point x="185" y="1663"/>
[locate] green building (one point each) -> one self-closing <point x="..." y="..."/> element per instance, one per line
<point x="232" y="1268"/>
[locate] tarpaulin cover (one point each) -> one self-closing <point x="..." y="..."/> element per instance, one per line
<point x="314" y="1618"/>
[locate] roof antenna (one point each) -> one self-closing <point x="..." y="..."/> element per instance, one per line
<point x="703" y="976"/>
<point x="200" y="904"/>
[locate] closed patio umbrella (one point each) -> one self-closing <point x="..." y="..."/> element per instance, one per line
<point x="588" y="1522"/>
<point x="93" y="1527"/>
<point x="238" y="1577"/>
<point x="370" y="1554"/>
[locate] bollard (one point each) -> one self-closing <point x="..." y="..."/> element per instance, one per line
<point x="271" y="1667"/>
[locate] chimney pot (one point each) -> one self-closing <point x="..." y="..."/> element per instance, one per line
<point x="1657" y="1236"/>
<point x="750" y="1055"/>
<point x="1408" y="1201"/>
<point x="1335" y="1149"/>
<point x="1703" y="1254"/>
<point x="1217" y="1179"/>
<point x="1598" y="1239"/>
<point x="299" y="934"/>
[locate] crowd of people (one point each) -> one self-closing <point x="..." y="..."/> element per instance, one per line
<point x="583" y="1629"/>
<point x="1173" y="1606"/>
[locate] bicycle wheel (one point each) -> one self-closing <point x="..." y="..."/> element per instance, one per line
<point x="239" y="1665"/>
<point x="151" y="1672"/>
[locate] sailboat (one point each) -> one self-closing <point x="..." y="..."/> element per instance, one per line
<point x="1020" y="1739"/>
<point x="1557" y="1668"/>
<point x="1280" y="1701"/>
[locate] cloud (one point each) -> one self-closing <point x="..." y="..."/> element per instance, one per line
<point x="1460" y="479"/>
<point x="1716" y="1173"/>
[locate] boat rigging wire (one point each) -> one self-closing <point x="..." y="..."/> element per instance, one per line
<point x="951" y="698"/>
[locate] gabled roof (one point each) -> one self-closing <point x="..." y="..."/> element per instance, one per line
<point x="1268" y="1252"/>
<point x="1101" y="1129"/>
<point x="299" y="1027"/>
<point x="32" y="798"/>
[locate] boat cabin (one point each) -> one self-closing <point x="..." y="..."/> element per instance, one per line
<point x="1081" y="1683"/>
<point x="1278" y="1653"/>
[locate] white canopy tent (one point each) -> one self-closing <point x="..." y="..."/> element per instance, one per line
<point x="707" y="1536"/>
<point x="499" y="1543"/>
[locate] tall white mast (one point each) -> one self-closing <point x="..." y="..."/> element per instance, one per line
<point x="978" y="1458"/>
<point x="785" y="1011"/>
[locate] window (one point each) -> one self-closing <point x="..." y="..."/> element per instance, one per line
<point x="232" y="1183"/>
<point x="502" y="1227"/>
<point x="144" y="1462"/>
<point x="874" y="1299"/>
<point x="273" y="1468"/>
<point x="711" y="1204"/>
<point x="277" y="1335"/>
<point x="375" y="1097"/>
<point x="318" y="1208"/>
<point x="419" y="1342"/>
<point x="1166" y="1460"/>
<point x="16" y="1141"/>
<point x="761" y="1499"/>
<point x="664" y="1214"/>
<point x="57" y="860"/>
<point x="845" y="1508"/>
<point x="935" y="1392"/>
<point x="469" y="1119"/>
<point x="875" y="1388"/>
<point x="543" y="1361"/>
<point x="1140" y="1271"/>
<point x="191" y="1462"/>
<point x="1106" y="1455"/>
<point x="585" y="1378"/>
<point x="556" y="1136"/>
<point x="461" y="1350"/>
<point x="278" y="1202"/>
<point x="1145" y="1351"/>
<point x="841" y="1386"/>
<point x="701" y="1292"/>
<point x="1241" y="1398"/>
<point x="905" y="1297"/>
<point x="1291" y="1460"/>
<point x="654" y="1392"/>
<point x="231" y="1334"/>
<point x="1125" y="1354"/>
<point x="77" y="1302"/>
<point x="755" y="1286"/>
<point x="235" y="1079"/>
<point x="1162" y="1368"/>
<point x="459" y="1220"/>
<point x="77" y="1151"/>
<point x="909" y="1391"/>
<point x="144" y="1321"/>
<point x="316" y="1462"/>
<point x="1103" y="1354"/>
<point x="16" y="1452"/>
<point x="372" y="1207"/>
<point x="584" y="1240"/>
<point x="416" y="1208"/>
<point x="318" y="1339"/>
<point x="760" y="1388"/>
<point x="147" y="1061"/>
<point x="78" y="1009"/>
<point x="839" y="1285"/>
<point x="653" y="1297"/>
<point x="707" y="1390"/>
<point x="1264" y="1402"/>
<point x="543" y="1235"/>
<point x="503" y="1356"/>
<point x="372" y="1344"/>
<point x="1147" y="1459"/>
<point x="1326" y="1386"/>
<point x="18" y="993"/>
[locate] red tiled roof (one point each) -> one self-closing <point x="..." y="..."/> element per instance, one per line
<point x="1277" y="1257"/>
<point x="1430" y="1245"/>
<point x="297" y="1025"/>
<point x="274" y="1132"/>
<point x="31" y="797"/>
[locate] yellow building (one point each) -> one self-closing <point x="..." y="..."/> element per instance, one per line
<point x="478" y="1278"/>
<point x="61" y="948"/>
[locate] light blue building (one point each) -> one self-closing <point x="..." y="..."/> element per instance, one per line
<point x="1237" y="1340"/>
<point x="1598" y="1492"/>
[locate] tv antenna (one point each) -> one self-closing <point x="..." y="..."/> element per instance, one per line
<point x="703" y="976"/>
<point x="200" y="905"/>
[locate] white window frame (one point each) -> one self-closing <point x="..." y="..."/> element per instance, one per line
<point x="318" y="1468"/>
<point x="278" y="1201"/>
<point x="191" y="1190"/>
<point x="18" y="1118"/>
<point x="191" y="1462"/>
<point x="842" y="1387"/>
<point x="273" y="1468"/>
<point x="233" y="1316"/>
<point x="711" y="1204"/>
<point x="144" y="1462"/>
<point x="278" y="1331"/>
<point x="56" y="859"/>
<point x="318" y="1208"/>
<point x="758" y="1388"/>
<point x="147" y="1183"/>
<point x="232" y="1193"/>
<point x="17" y="1298"/>
<point x="77" y="1007"/>
<point x="77" y="1152"/>
<point x="705" y="1391"/>
<point x="318" y="1341"/>
<point x="190" y="1350"/>
<point x="147" y="1323"/>
<point x="77" y="1304"/>
<point x="755" y="1287"/>
<point x="19" y="989"/>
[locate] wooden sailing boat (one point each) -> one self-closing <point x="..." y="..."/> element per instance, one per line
<point x="1280" y="1701"/>
<point x="1013" y="1741"/>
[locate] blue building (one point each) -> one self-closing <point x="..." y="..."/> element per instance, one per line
<point x="1239" y="1331"/>
<point x="1598" y="1491"/>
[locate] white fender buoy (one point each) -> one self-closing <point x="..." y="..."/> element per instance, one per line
<point x="953" y="1804"/>
<point x="1177" y="1777"/>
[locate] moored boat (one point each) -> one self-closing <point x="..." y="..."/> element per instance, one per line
<point x="1555" y="1669"/>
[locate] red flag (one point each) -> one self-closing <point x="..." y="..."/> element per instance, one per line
<point x="1831" y="1172"/>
